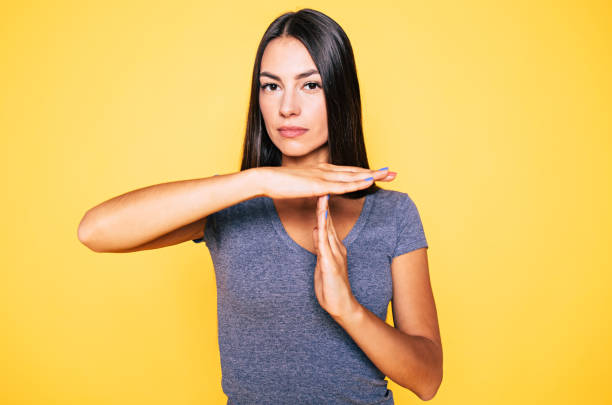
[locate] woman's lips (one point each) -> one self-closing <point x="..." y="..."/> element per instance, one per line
<point x="291" y="133"/>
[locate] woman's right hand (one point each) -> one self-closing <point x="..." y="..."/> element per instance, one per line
<point x="318" y="180"/>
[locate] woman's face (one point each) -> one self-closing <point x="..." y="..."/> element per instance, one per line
<point x="291" y="95"/>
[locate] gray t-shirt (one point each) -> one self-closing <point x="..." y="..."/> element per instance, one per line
<point x="277" y="345"/>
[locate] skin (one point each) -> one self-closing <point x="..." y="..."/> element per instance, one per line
<point x="410" y="353"/>
<point x="289" y="101"/>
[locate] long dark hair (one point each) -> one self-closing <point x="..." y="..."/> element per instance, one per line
<point x="332" y="54"/>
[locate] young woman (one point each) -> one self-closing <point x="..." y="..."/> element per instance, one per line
<point x="307" y="250"/>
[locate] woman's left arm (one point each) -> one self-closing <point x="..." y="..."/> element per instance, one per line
<point x="410" y="353"/>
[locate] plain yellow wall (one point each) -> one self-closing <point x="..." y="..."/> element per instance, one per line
<point x="496" y="115"/>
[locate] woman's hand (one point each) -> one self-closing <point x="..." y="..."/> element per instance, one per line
<point x="322" y="179"/>
<point x="331" y="282"/>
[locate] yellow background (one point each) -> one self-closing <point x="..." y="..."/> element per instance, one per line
<point x="496" y="115"/>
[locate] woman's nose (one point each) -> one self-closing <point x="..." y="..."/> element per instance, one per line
<point x="289" y="103"/>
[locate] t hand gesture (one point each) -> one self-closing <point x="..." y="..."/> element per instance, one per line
<point x="318" y="180"/>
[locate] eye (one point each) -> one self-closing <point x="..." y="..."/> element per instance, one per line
<point x="309" y="85"/>
<point x="264" y="86"/>
<point x="313" y="83"/>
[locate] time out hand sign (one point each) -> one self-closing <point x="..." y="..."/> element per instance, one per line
<point x="331" y="282"/>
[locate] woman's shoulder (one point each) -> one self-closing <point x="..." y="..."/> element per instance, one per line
<point x="395" y="205"/>
<point x="392" y="197"/>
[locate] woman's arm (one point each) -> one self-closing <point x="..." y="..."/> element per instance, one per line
<point x="410" y="353"/>
<point x="137" y="217"/>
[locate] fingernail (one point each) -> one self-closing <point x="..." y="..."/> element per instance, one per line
<point x="328" y="196"/>
<point x="368" y="179"/>
<point x="384" y="168"/>
<point x="325" y="214"/>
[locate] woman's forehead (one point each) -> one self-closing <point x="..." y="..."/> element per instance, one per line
<point x="286" y="58"/>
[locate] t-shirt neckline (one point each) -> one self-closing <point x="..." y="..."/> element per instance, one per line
<point x="292" y="244"/>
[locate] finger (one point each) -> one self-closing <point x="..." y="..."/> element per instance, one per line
<point x="389" y="177"/>
<point x="315" y="238"/>
<point x="331" y="166"/>
<point x="341" y="188"/>
<point x="355" y="169"/>
<point x="348" y="176"/>
<point x="334" y="241"/>
<point x="323" y="239"/>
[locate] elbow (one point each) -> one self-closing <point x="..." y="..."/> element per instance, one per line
<point x="83" y="230"/>
<point x="430" y="391"/>
<point x="85" y="233"/>
<point x="430" y="394"/>
<point x="428" y="388"/>
<point x="434" y="381"/>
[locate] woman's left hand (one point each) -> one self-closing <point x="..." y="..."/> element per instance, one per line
<point x="331" y="282"/>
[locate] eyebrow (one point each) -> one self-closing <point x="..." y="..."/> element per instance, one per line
<point x="300" y="76"/>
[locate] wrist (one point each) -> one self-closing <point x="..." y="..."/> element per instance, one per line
<point x="257" y="178"/>
<point x="353" y="315"/>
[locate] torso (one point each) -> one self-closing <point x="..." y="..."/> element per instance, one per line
<point x="299" y="221"/>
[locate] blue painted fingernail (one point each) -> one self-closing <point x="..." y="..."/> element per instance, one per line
<point x="325" y="214"/>
<point x="328" y="196"/>
<point x="368" y="179"/>
<point x="384" y="168"/>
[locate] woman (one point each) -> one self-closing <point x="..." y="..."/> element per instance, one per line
<point x="307" y="250"/>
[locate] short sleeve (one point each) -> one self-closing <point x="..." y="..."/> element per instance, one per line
<point x="209" y="236"/>
<point x="410" y="233"/>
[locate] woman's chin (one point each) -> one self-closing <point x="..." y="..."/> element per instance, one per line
<point x="295" y="152"/>
<point x="296" y="148"/>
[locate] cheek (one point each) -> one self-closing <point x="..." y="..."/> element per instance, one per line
<point x="316" y="114"/>
<point x="266" y="110"/>
<point x="322" y="114"/>
<point x="263" y="106"/>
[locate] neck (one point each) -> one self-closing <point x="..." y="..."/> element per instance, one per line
<point x="319" y="155"/>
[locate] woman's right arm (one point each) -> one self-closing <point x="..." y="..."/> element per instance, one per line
<point x="164" y="214"/>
